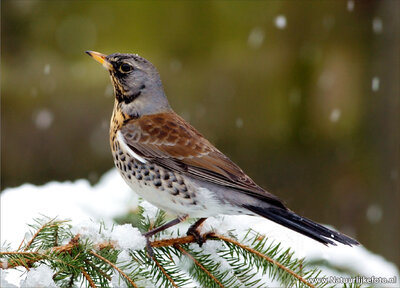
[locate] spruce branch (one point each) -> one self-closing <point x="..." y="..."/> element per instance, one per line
<point x="163" y="269"/>
<point x="164" y="272"/>
<point x="265" y="257"/>
<point x="115" y="267"/>
<point x="183" y="251"/>
<point x="234" y="263"/>
<point x="88" y="278"/>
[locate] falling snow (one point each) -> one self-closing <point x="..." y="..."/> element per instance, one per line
<point x="280" y="22"/>
<point x="350" y="5"/>
<point x="256" y="38"/>
<point x="375" y="84"/>
<point x="374" y="213"/>
<point x="377" y="25"/>
<point x="239" y="122"/>
<point x="46" y="69"/>
<point x="43" y="119"/>
<point x="335" y="115"/>
<point x="326" y="80"/>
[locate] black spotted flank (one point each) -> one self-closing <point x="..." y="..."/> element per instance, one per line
<point x="157" y="183"/>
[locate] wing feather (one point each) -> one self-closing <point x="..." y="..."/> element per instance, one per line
<point x="169" y="141"/>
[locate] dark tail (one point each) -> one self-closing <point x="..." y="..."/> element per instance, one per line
<point x="302" y="225"/>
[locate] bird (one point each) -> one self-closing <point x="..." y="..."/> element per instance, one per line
<point x="167" y="162"/>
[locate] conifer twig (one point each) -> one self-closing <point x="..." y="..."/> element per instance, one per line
<point x="265" y="257"/>
<point x="115" y="267"/>
<point x="164" y="272"/>
<point x="68" y="247"/>
<point x="28" y="245"/>
<point x="32" y="257"/>
<point x="20" y="245"/>
<point x="173" y="241"/>
<point x="176" y="242"/>
<point x="98" y="269"/>
<point x="183" y="251"/>
<point x="27" y="261"/>
<point x="88" y="278"/>
<point x="61" y="257"/>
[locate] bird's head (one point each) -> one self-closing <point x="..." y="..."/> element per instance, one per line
<point x="137" y="84"/>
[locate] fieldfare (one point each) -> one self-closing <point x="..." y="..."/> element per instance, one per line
<point x="170" y="164"/>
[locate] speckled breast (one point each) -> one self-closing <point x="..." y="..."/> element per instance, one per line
<point x="165" y="189"/>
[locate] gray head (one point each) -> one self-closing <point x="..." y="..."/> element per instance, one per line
<point x="137" y="84"/>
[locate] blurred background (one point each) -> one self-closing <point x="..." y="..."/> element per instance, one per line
<point x="303" y="95"/>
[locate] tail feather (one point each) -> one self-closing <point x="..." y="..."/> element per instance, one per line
<point x="302" y="225"/>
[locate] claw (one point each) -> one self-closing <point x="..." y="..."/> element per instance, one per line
<point x="194" y="231"/>
<point x="200" y="239"/>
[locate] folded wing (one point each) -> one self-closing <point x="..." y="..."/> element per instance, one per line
<point x="169" y="141"/>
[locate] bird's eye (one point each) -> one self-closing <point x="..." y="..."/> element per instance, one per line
<point x="125" y="68"/>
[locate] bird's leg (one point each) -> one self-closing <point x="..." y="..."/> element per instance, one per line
<point x="159" y="229"/>
<point x="193" y="230"/>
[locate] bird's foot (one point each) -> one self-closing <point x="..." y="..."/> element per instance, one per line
<point x="149" y="249"/>
<point x="200" y="239"/>
<point x="150" y="233"/>
<point x="194" y="231"/>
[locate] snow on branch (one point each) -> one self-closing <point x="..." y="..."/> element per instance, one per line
<point x="97" y="258"/>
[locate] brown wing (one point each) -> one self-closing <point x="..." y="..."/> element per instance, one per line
<point x="169" y="141"/>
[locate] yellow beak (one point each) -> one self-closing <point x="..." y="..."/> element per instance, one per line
<point x="101" y="58"/>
